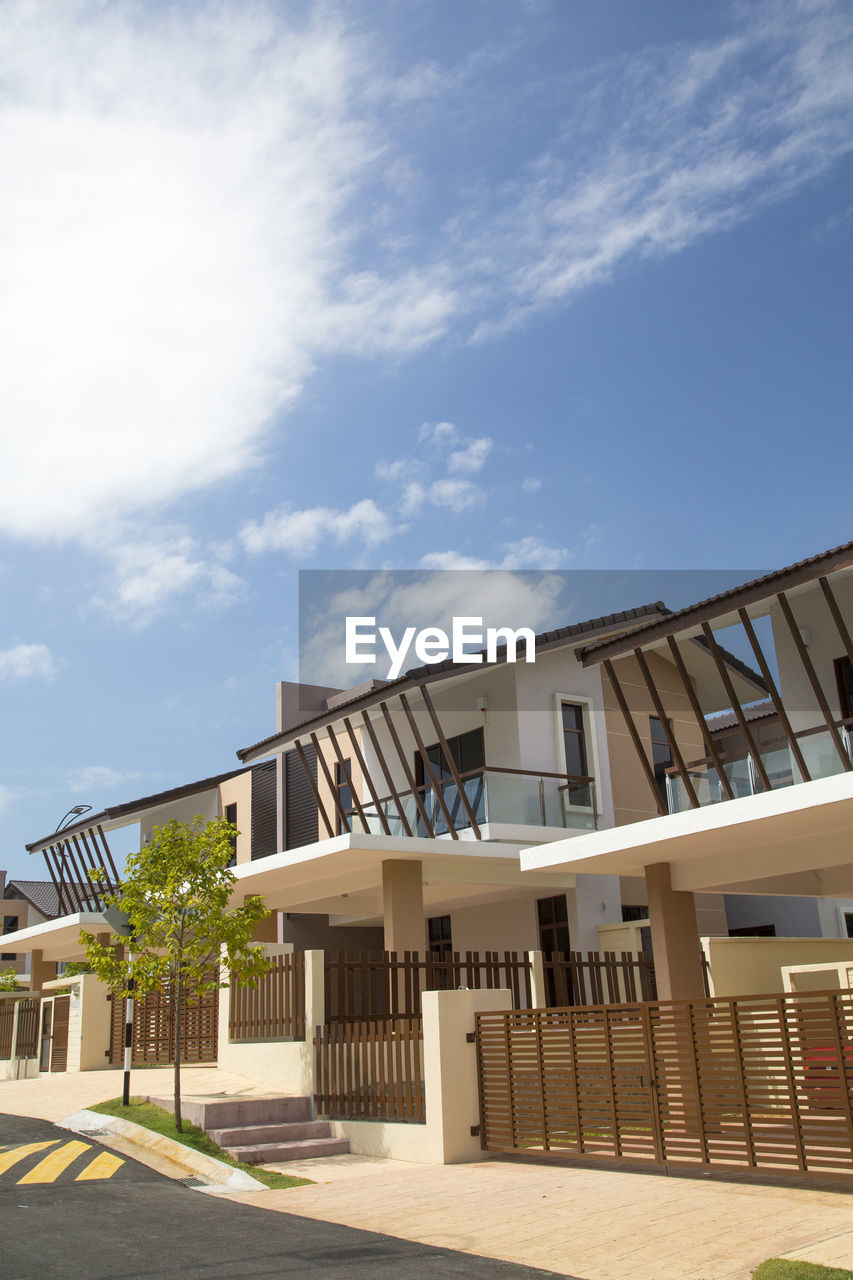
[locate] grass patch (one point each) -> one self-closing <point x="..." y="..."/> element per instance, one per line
<point x="160" y="1121"/>
<point x="787" y="1269"/>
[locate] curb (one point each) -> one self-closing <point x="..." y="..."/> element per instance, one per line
<point x="224" y="1176"/>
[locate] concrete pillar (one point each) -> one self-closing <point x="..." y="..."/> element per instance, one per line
<point x="403" y="906"/>
<point x="315" y="992"/>
<point x="41" y="971"/>
<point x="538" y="986"/>
<point x="675" y="937"/>
<point x="450" y="1072"/>
<point x="266" y="930"/>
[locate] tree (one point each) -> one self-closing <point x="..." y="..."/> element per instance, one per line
<point x="175" y="893"/>
<point x="8" y="980"/>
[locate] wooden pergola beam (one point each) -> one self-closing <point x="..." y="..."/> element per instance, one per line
<point x="410" y="778"/>
<point x="808" y="667"/>
<point x="723" y="672"/>
<point x="635" y="737"/>
<point x="451" y="763"/>
<point x="315" y="790"/>
<point x="665" y="725"/>
<point x="371" y="733"/>
<point x="708" y="737"/>
<point x="436" y="786"/>
<point x="775" y="696"/>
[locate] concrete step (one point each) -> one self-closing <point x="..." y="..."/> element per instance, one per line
<point x="252" y="1134"/>
<point x="231" y="1113"/>
<point x="278" y="1152"/>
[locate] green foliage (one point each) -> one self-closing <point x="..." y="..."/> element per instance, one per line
<point x="793" y="1269"/>
<point x="8" y="980"/>
<point x="151" y="1117"/>
<point x="176" y="892"/>
<point x="76" y="967"/>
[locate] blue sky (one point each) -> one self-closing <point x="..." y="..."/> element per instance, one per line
<point x="390" y="285"/>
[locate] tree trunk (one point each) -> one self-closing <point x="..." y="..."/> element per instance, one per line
<point x="178" y="1007"/>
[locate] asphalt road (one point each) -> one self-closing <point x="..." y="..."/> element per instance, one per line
<point x="135" y="1224"/>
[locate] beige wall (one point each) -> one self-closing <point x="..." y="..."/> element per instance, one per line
<point x="510" y="925"/>
<point x="753" y="966"/>
<point x="632" y="797"/>
<point x="239" y="791"/>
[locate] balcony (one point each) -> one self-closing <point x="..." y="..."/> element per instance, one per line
<point x="817" y="749"/>
<point x="494" y="795"/>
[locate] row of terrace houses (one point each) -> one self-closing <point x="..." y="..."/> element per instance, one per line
<point x="651" y="779"/>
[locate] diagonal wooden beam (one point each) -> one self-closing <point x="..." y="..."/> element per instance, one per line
<point x="315" y="790"/>
<point x="708" y="737"/>
<point x="371" y="733"/>
<point x="336" y="799"/>
<point x="82" y="880"/>
<point x="665" y="725"/>
<point x="451" y="763"/>
<point x="64" y="858"/>
<point x="45" y="853"/>
<point x="840" y="624"/>
<point x="347" y="773"/>
<point x="434" y="783"/>
<point x="103" y="840"/>
<point x="90" y="890"/>
<point x="65" y="896"/>
<point x="404" y="763"/>
<point x="635" y="737"/>
<point x="775" y="696"/>
<point x="359" y="755"/>
<point x="825" y="711"/>
<point x="723" y="672"/>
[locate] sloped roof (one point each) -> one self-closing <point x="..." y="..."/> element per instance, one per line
<point x="728" y="720"/>
<point x="40" y="894"/>
<point x="746" y="593"/>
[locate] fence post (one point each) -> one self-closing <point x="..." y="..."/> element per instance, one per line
<point x="538" y="989"/>
<point x="451" y="1082"/>
<point x="315" y="992"/>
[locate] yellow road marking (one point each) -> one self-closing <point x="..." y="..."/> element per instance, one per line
<point x="103" y="1166"/>
<point x="49" y="1169"/>
<point x="14" y="1154"/>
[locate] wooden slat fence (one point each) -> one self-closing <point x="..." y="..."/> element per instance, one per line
<point x="371" y="1070"/>
<point x="26" y="1041"/>
<point x="275" y="1008"/>
<point x="7" y="1018"/>
<point x="153" y="1032"/>
<point x="603" y="977"/>
<point x="756" y="1083"/>
<point x="386" y="985"/>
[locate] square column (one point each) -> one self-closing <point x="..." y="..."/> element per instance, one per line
<point x="403" y="906"/>
<point x="675" y="937"/>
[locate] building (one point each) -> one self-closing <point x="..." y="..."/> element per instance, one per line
<point x="757" y="806"/>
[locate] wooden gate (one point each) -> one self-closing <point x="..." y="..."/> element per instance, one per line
<point x="760" y="1083"/>
<point x="154" y="1033"/>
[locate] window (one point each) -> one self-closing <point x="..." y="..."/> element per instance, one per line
<point x="575" y="754"/>
<point x="634" y="913"/>
<point x="10" y="925"/>
<point x="343" y="786"/>
<point x="661" y="756"/>
<point x="553" y="925"/>
<point x="439" y="937"/>
<point x="231" y="816"/>
<point x="848" y="923"/>
<point x="754" y="931"/>
<point x="468" y="753"/>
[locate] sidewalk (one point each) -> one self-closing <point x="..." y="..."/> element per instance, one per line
<point x="598" y="1224"/>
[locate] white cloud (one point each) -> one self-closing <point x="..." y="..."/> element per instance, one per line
<point x="452" y="495"/>
<point x="438" y="433"/>
<point x="7" y="798"/>
<point x="176" y="237"/>
<point x="301" y="532"/>
<point x="527" y="553"/>
<point x="702" y="138"/>
<point x="25" y="660"/>
<point x="530" y="484"/>
<point x="149" y="574"/>
<point x="99" y="777"/>
<point x="472" y="458"/>
<point x="397" y="471"/>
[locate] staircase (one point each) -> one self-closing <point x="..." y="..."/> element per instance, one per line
<point x="264" y="1130"/>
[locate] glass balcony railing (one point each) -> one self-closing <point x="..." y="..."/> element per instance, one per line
<point x="818" y="751"/>
<point x="494" y="795"/>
